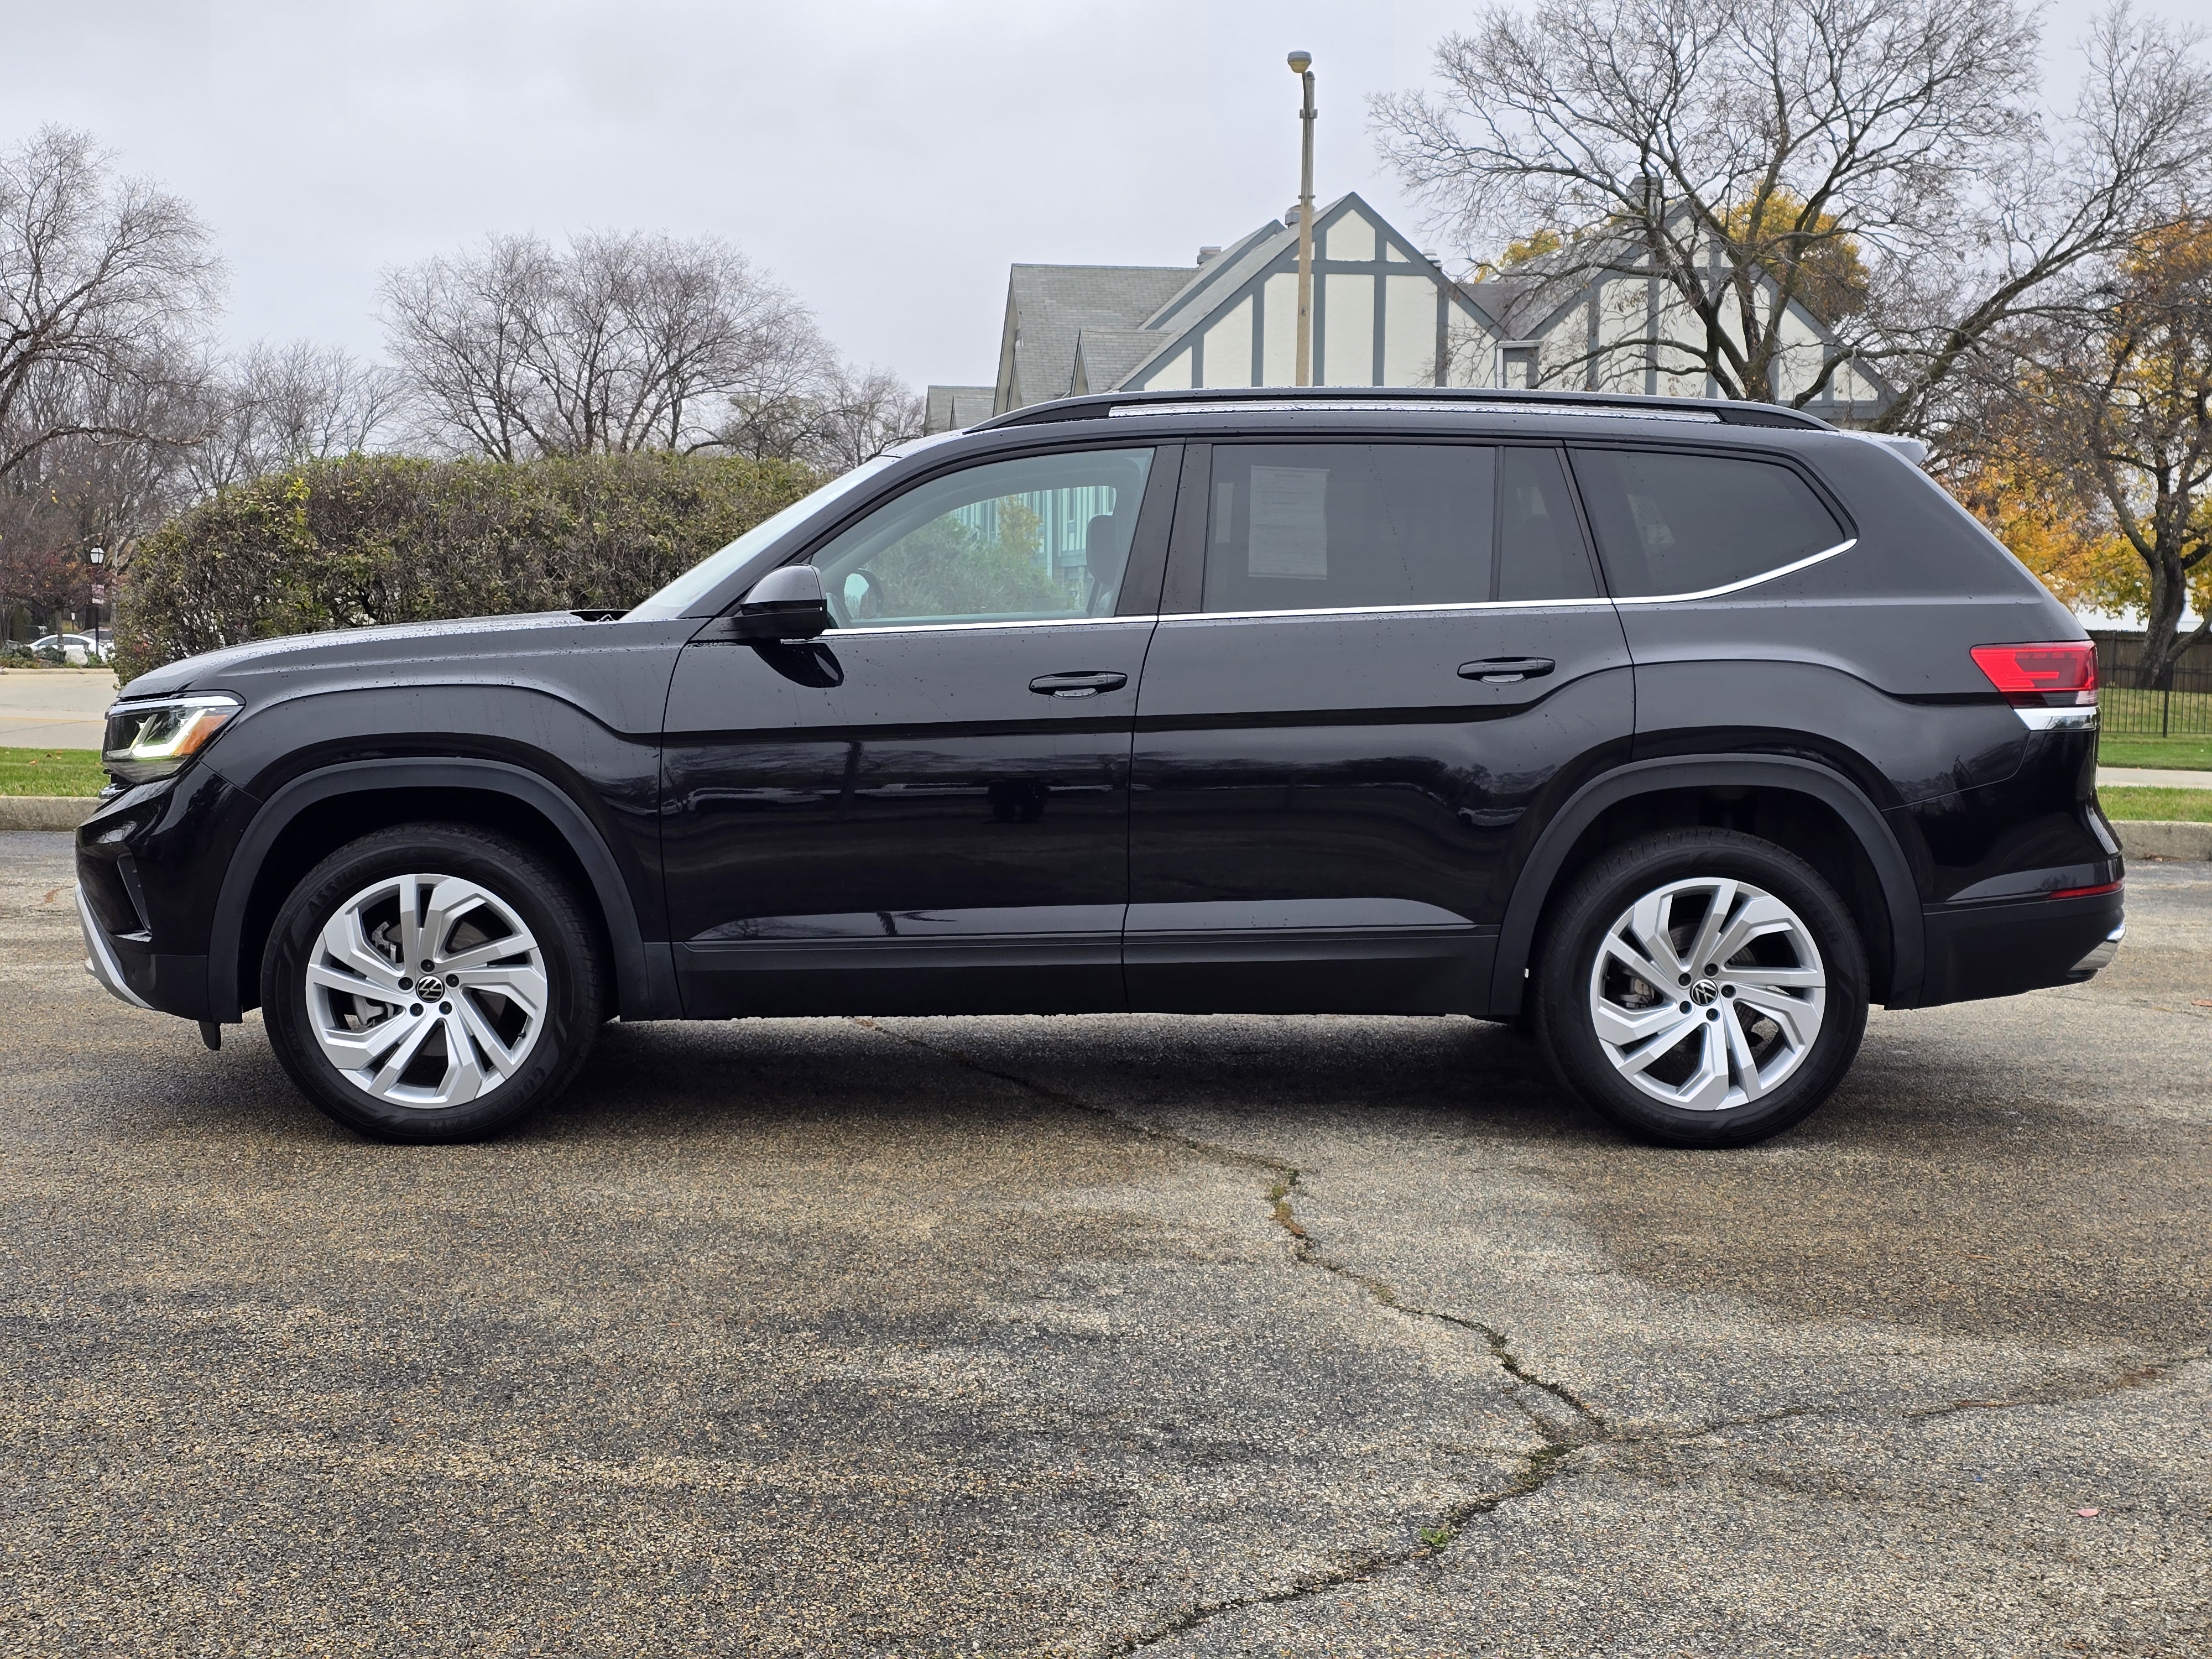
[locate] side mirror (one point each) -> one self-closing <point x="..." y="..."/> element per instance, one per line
<point x="787" y="604"/>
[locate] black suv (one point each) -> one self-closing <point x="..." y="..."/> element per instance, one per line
<point x="1680" y="730"/>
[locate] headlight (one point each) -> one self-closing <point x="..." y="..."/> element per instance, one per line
<point x="150" y="740"/>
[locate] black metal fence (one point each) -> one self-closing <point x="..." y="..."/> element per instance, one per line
<point x="2134" y="704"/>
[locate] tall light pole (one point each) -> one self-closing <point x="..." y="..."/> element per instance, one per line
<point x="1302" y="66"/>
<point x="99" y="558"/>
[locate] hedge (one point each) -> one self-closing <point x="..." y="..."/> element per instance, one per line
<point x="387" y="538"/>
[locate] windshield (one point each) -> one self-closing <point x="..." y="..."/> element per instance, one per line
<point x="695" y="583"/>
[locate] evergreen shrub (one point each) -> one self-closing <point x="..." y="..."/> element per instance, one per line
<point x="369" y="539"/>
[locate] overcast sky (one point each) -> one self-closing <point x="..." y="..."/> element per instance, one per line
<point x="885" y="158"/>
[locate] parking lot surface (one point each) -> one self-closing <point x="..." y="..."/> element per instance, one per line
<point x="1089" y="1336"/>
<point x="54" y="707"/>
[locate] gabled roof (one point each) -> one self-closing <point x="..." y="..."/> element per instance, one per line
<point x="1535" y="298"/>
<point x="1224" y="274"/>
<point x="1049" y="306"/>
<point x="950" y="408"/>
<point x="1249" y="263"/>
<point x="1105" y="356"/>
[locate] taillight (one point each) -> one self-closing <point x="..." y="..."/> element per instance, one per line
<point x="2068" y="668"/>
<point x="2051" y="686"/>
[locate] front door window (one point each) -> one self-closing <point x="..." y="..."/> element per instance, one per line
<point x="1043" y="538"/>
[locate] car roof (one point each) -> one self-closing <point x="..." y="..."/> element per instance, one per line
<point x="1237" y="405"/>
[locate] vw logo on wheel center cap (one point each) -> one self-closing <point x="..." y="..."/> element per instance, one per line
<point x="1705" y="994"/>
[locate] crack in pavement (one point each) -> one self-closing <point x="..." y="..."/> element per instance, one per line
<point x="1589" y="1426"/>
<point x="1539" y="1467"/>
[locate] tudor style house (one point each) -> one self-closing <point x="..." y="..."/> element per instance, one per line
<point x="1384" y="313"/>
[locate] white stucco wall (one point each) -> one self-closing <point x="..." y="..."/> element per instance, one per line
<point x="1409" y="331"/>
<point x="1347" y="327"/>
<point x="1278" y="328"/>
<point x="1229" y="346"/>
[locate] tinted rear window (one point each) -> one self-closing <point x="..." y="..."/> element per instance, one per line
<point x="1671" y="523"/>
<point x="1343" y="526"/>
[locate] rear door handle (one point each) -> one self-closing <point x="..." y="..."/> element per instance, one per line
<point x="1504" y="671"/>
<point x="1076" y="685"/>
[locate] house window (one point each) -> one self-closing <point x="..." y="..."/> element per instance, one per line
<point x="1517" y="362"/>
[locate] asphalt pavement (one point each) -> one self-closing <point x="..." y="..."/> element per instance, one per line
<point x="54" y="707"/>
<point x="1092" y="1336"/>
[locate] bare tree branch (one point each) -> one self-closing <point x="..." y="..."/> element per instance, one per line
<point x="1882" y="162"/>
<point x="624" y="343"/>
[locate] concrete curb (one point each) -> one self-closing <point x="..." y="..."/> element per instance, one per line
<point x="45" y="812"/>
<point x="2165" y="838"/>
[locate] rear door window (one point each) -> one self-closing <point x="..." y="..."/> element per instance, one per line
<point x="1328" y="527"/>
<point x="1672" y="523"/>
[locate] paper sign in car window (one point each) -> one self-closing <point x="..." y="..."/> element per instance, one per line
<point x="1289" y="534"/>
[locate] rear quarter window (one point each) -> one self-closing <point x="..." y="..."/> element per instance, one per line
<point x="1669" y="522"/>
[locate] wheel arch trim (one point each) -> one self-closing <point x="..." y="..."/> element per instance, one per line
<point x="1539" y="873"/>
<point x="644" y="970"/>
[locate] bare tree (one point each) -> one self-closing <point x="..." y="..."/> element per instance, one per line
<point x="843" y="419"/>
<point x="105" y="287"/>
<point x="1883" y="160"/>
<point x="276" y="406"/>
<point x="625" y="341"/>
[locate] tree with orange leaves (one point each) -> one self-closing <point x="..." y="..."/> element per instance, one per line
<point x="2096" y="465"/>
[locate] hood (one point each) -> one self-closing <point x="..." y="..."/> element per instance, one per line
<point x="402" y="642"/>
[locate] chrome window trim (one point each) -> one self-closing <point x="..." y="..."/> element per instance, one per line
<point x="1807" y="562"/>
<point x="1385" y="609"/>
<point x="970" y="627"/>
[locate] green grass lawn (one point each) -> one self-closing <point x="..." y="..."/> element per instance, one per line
<point x="2190" y="805"/>
<point x="2131" y="722"/>
<point x="2185" y="753"/>
<point x="51" y="772"/>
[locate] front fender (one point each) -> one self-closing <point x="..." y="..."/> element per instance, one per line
<point x="644" y="969"/>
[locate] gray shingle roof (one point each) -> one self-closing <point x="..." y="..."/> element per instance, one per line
<point x="949" y="408"/>
<point x="1108" y="355"/>
<point x="1052" y="304"/>
<point x="1223" y="275"/>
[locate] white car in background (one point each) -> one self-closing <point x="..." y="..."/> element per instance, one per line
<point x="77" y="650"/>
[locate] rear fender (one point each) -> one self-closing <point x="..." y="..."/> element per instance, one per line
<point x="1532" y="888"/>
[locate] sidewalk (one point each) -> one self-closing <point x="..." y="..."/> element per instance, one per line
<point x="54" y="707"/>
<point x="2118" y="777"/>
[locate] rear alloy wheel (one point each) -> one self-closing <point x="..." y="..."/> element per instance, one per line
<point x="432" y="982"/>
<point x="1702" y="987"/>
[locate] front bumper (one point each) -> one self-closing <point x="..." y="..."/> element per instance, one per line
<point x="100" y="958"/>
<point x="164" y="984"/>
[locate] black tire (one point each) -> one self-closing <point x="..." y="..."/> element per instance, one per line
<point x="1566" y="1021"/>
<point x="514" y="878"/>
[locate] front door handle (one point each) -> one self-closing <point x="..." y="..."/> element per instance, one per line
<point x="1076" y="685"/>
<point x="1505" y="671"/>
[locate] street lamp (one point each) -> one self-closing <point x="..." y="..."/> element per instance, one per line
<point x="1302" y="66"/>
<point x="97" y="557"/>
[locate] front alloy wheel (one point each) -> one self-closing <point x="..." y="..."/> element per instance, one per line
<point x="426" y="991"/>
<point x="431" y="983"/>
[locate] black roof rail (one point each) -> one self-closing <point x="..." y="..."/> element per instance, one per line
<point x="1099" y="405"/>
